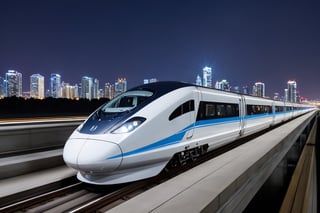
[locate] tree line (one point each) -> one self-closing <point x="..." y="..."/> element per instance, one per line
<point x="15" y="107"/>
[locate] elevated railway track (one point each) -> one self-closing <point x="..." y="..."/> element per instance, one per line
<point x="70" y="196"/>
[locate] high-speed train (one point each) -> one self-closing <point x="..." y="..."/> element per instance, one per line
<point x="137" y="133"/>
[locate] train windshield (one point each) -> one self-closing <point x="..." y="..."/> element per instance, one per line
<point x="126" y="101"/>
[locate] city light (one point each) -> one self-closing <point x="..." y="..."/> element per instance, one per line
<point x="89" y="87"/>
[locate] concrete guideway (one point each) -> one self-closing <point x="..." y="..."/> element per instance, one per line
<point x="28" y="135"/>
<point x="301" y="195"/>
<point x="226" y="183"/>
<point x="33" y="145"/>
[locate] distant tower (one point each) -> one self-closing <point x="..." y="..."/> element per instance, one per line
<point x="276" y="96"/>
<point x="292" y="91"/>
<point x="13" y="83"/>
<point x="109" y="91"/>
<point x="87" y="87"/>
<point x="259" y="89"/>
<point x="286" y="95"/>
<point x="223" y="85"/>
<point x="95" y="88"/>
<point x="120" y="86"/>
<point x="2" y="94"/>
<point x="55" y="85"/>
<point x="149" y="81"/>
<point x="245" y="90"/>
<point x="236" y="89"/>
<point x="37" y="86"/>
<point x="198" y="81"/>
<point x="207" y="77"/>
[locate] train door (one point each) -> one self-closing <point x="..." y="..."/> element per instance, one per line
<point x="242" y="114"/>
<point x="196" y="98"/>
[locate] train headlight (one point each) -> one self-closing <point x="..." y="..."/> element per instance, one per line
<point x="129" y="125"/>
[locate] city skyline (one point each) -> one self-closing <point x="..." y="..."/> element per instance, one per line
<point x="243" y="41"/>
<point x="89" y="87"/>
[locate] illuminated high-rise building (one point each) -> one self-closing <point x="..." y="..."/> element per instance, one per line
<point x="13" y="84"/>
<point x="87" y="87"/>
<point x="223" y="85"/>
<point x="2" y="94"/>
<point x="292" y="91"/>
<point x="198" y="81"/>
<point x="245" y="90"/>
<point x="236" y="89"/>
<point x="259" y="89"/>
<point x="76" y="91"/>
<point x="286" y="95"/>
<point x="109" y="91"/>
<point x="100" y="93"/>
<point x="68" y="91"/>
<point x="207" y="77"/>
<point x="120" y="86"/>
<point x="55" y="85"/>
<point x="37" y="86"/>
<point x="151" y="80"/>
<point x="95" y="85"/>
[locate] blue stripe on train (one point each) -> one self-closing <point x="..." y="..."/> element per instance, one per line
<point x="176" y="138"/>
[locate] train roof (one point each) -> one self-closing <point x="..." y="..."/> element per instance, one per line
<point x="162" y="87"/>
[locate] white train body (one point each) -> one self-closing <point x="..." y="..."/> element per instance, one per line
<point x="136" y="134"/>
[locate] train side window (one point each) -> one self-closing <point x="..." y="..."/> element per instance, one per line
<point x="267" y="109"/>
<point x="212" y="110"/>
<point x="279" y="109"/>
<point x="221" y="110"/>
<point x="258" y="109"/>
<point x="186" y="107"/>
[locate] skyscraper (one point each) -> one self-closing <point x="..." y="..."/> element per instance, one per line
<point x="236" y="89"/>
<point x="223" y="85"/>
<point x="13" y="83"/>
<point x="292" y="91"/>
<point x="198" y="81"/>
<point x="87" y="87"/>
<point x="120" y="86"/>
<point x="95" y="88"/>
<point x="37" y="86"/>
<point x="286" y="95"/>
<point x="245" y="90"/>
<point x="55" y="85"/>
<point x="207" y="77"/>
<point x="259" y="89"/>
<point x="68" y="91"/>
<point x="2" y="94"/>
<point x="151" y="80"/>
<point x="109" y="91"/>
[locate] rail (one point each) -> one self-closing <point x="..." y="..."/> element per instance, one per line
<point x="301" y="195"/>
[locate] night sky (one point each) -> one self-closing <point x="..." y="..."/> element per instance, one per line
<point x="243" y="41"/>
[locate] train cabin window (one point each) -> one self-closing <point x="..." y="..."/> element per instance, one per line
<point x="258" y="109"/>
<point x="279" y="108"/>
<point x="212" y="110"/>
<point x="188" y="106"/>
<point x="126" y="101"/>
<point x="288" y="108"/>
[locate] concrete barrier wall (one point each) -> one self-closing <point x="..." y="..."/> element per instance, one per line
<point x="24" y="137"/>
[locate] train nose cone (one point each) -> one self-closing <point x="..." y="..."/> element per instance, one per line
<point x="92" y="156"/>
<point x="95" y="156"/>
<point x="71" y="151"/>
